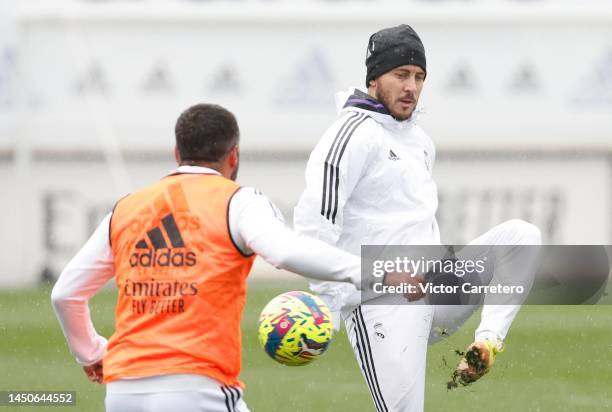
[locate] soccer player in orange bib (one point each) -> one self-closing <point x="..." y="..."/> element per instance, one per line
<point x="179" y="251"/>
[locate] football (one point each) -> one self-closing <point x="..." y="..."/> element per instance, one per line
<point x="295" y="328"/>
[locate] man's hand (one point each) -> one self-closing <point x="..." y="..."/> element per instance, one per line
<point x="397" y="279"/>
<point x="94" y="372"/>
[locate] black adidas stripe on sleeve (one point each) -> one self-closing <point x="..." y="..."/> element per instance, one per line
<point x="331" y="172"/>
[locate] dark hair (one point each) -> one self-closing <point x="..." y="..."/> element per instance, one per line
<point x="206" y="132"/>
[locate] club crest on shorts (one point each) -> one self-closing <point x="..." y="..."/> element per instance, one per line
<point x="427" y="160"/>
<point x="379" y="331"/>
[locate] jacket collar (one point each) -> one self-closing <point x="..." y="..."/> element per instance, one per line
<point x="358" y="100"/>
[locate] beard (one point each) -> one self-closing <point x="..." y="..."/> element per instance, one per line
<point x="383" y="97"/>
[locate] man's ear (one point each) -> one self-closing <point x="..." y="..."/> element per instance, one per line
<point x="372" y="87"/>
<point x="177" y="155"/>
<point x="233" y="156"/>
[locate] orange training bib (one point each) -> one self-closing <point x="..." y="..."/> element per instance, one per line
<point x="181" y="281"/>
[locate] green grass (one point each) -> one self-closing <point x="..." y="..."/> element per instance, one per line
<point x="557" y="359"/>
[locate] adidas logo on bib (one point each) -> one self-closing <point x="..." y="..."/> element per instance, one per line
<point x="153" y="249"/>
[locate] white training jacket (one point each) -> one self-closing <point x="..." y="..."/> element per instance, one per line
<point x="256" y="226"/>
<point x="368" y="182"/>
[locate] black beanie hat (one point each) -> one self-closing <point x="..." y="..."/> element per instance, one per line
<point x="393" y="47"/>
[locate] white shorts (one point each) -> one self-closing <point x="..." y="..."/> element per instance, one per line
<point x="390" y="344"/>
<point x="184" y="393"/>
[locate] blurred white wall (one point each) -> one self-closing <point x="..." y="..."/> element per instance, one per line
<point x="518" y="100"/>
<point x="504" y="76"/>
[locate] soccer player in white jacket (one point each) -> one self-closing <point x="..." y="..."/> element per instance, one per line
<point x="369" y="182"/>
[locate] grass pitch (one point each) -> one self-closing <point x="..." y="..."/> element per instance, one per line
<point x="557" y="359"/>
